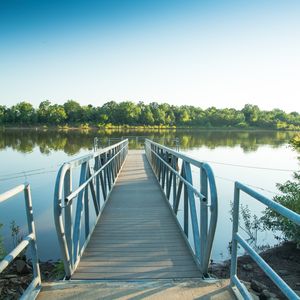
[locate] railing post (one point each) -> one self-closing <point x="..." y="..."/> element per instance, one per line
<point x="31" y="229"/>
<point x="193" y="212"/>
<point x="68" y="214"/>
<point x="203" y="217"/>
<point x="97" y="179"/>
<point x="103" y="177"/>
<point x="186" y="211"/>
<point x="78" y="215"/>
<point x="163" y="170"/>
<point x="86" y="212"/>
<point x="235" y="228"/>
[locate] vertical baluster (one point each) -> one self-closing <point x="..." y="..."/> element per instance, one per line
<point x="163" y="170"/>
<point x="97" y="179"/>
<point x="167" y="172"/>
<point x="107" y="169"/>
<point x="170" y="177"/>
<point x="203" y="214"/>
<point x="68" y="214"/>
<point x="102" y="176"/>
<point x="174" y="181"/>
<point x="78" y="214"/>
<point x="192" y="210"/>
<point x="86" y="212"/>
<point x="235" y="228"/>
<point x="31" y="229"/>
<point x="186" y="211"/>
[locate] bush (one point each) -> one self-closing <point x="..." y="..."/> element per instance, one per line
<point x="290" y="198"/>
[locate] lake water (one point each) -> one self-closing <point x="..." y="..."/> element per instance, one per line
<point x="257" y="158"/>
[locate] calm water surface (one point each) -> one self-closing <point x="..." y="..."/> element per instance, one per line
<point x="260" y="159"/>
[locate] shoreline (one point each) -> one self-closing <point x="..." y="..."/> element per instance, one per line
<point x="283" y="258"/>
<point x="142" y="128"/>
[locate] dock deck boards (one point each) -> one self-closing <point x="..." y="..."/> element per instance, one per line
<point x="137" y="236"/>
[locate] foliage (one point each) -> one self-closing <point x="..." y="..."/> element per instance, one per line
<point x="59" y="271"/>
<point x="289" y="198"/>
<point x="152" y="114"/>
<point x="16" y="233"/>
<point x="295" y="141"/>
<point x="249" y="223"/>
<point x="2" y="249"/>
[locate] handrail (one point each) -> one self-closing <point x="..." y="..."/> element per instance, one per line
<point x="35" y="286"/>
<point x="98" y="172"/>
<point x="165" y="164"/>
<point x="237" y="239"/>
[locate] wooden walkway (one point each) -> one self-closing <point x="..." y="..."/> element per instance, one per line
<point x="137" y="236"/>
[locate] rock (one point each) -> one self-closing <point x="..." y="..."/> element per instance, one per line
<point x="22" y="267"/>
<point x="247" y="267"/>
<point x="264" y="295"/>
<point x="15" y="280"/>
<point x="21" y="290"/>
<point x="9" y="276"/>
<point x="297" y="283"/>
<point x="254" y="296"/>
<point x="247" y="284"/>
<point x="257" y="286"/>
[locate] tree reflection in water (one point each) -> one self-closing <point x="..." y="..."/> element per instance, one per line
<point x="72" y="141"/>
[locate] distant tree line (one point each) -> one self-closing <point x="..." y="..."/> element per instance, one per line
<point x="141" y="114"/>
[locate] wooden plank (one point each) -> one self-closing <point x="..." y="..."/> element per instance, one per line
<point x="129" y="276"/>
<point x="134" y="269"/>
<point x="142" y="256"/>
<point x="139" y="263"/>
<point x="137" y="236"/>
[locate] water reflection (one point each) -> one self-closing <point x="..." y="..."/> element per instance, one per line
<point x="23" y="150"/>
<point x="73" y="141"/>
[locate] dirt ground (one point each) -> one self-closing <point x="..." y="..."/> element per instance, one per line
<point x="284" y="259"/>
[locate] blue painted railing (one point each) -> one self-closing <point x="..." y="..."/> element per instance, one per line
<point x="174" y="174"/>
<point x="98" y="173"/>
<point x="238" y="240"/>
<point x="29" y="240"/>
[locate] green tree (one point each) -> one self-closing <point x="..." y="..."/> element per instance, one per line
<point x="43" y="112"/>
<point x="251" y="113"/>
<point x="146" y="117"/>
<point x="23" y="113"/>
<point x="73" y="111"/>
<point x="128" y="112"/>
<point x="57" y="114"/>
<point x="2" y="114"/>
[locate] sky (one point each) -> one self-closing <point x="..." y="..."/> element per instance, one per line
<point x="196" y="52"/>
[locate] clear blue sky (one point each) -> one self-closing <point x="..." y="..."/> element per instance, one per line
<point x="203" y="53"/>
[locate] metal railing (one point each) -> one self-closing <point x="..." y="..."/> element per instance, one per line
<point x="238" y="239"/>
<point x="177" y="183"/>
<point x="137" y="140"/>
<point x="29" y="240"/>
<point x="98" y="172"/>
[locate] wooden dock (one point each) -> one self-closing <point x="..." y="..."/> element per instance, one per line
<point x="137" y="237"/>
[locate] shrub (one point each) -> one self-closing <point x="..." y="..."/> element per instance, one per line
<point x="289" y="198"/>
